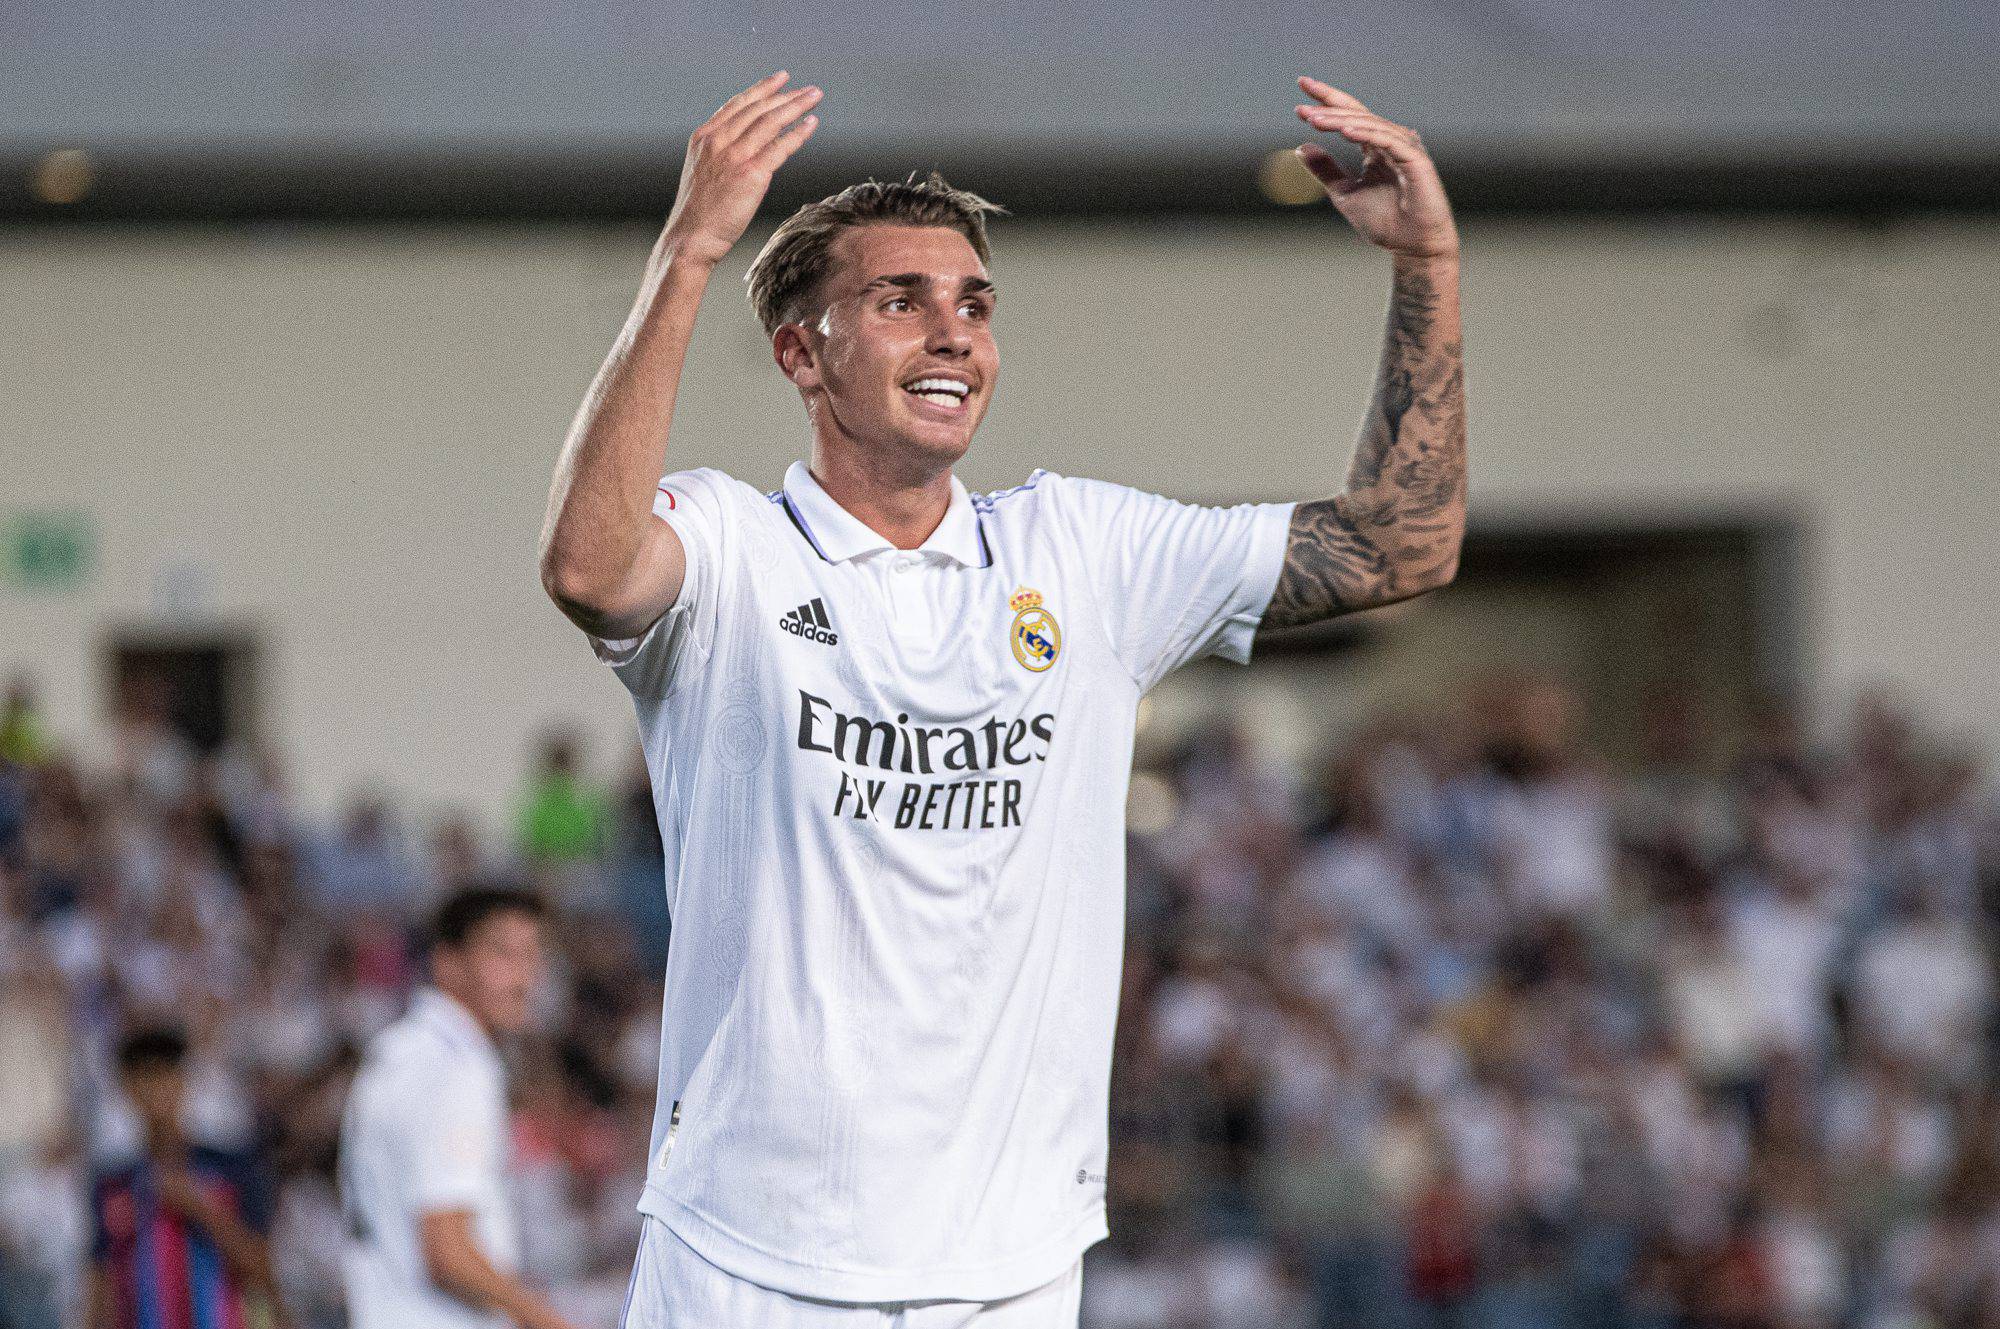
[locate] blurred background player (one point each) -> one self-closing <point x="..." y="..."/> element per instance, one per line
<point x="180" y="1231"/>
<point x="433" y="1241"/>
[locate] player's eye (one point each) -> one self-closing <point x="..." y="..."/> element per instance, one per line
<point x="978" y="308"/>
<point x="898" y="300"/>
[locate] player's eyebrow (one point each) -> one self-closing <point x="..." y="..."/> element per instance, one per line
<point x="915" y="281"/>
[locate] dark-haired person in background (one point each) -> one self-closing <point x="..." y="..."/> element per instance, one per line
<point x="890" y="723"/>
<point x="431" y="1237"/>
<point x="180" y="1233"/>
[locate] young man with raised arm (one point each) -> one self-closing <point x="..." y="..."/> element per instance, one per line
<point x="889" y="724"/>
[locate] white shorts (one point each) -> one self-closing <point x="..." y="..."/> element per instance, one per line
<point x="673" y="1287"/>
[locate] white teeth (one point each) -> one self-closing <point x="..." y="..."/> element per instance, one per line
<point x="925" y="387"/>
<point x="947" y="399"/>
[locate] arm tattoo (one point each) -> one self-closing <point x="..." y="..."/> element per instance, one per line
<point x="1395" y="532"/>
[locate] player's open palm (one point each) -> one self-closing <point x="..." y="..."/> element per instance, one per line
<point x="1396" y="200"/>
<point x="730" y="162"/>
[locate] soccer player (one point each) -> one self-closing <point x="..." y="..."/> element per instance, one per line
<point x="889" y="725"/>
<point x="180" y="1233"/>
<point x="431" y="1239"/>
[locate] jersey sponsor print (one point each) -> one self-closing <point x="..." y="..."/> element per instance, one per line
<point x="891" y="790"/>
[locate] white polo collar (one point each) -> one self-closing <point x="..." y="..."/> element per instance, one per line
<point x="444" y="1012"/>
<point x="838" y="535"/>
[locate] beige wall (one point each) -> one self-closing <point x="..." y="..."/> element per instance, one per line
<point x="343" y="439"/>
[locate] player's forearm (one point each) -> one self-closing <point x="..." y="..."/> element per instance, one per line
<point x="1409" y="465"/>
<point x="1395" y="532"/>
<point x="246" y="1253"/>
<point x="100" y="1309"/>
<point x="610" y="466"/>
<point x="460" y="1270"/>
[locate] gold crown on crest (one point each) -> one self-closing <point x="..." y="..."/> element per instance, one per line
<point x="1025" y="599"/>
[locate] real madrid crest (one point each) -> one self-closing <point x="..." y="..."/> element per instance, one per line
<point x="1035" y="637"/>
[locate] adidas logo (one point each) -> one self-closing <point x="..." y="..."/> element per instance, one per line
<point x="809" y="620"/>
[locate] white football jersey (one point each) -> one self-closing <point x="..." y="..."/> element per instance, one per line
<point x="425" y="1129"/>
<point x="891" y="786"/>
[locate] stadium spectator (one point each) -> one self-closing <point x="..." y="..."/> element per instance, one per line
<point x="23" y="740"/>
<point x="563" y="817"/>
<point x="1735" y="1063"/>
<point x="180" y="1230"/>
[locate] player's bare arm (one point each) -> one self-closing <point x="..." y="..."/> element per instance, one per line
<point x="1395" y="531"/>
<point x="456" y="1265"/>
<point x="606" y="560"/>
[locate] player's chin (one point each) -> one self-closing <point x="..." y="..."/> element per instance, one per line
<point x="514" y="1014"/>
<point x="943" y="437"/>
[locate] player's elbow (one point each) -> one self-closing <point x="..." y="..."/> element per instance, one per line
<point x="1427" y="570"/>
<point x="564" y="579"/>
<point x="580" y="590"/>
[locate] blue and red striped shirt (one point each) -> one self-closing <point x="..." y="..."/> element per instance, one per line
<point x="164" y="1271"/>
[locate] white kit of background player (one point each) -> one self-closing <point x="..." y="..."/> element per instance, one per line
<point x="890" y="773"/>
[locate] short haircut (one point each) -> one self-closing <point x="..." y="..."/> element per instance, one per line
<point x="785" y="280"/>
<point x="151" y="1047"/>
<point x="467" y="910"/>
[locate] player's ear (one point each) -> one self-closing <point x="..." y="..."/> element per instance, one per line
<point x="793" y="350"/>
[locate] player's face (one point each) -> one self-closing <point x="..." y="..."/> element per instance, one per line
<point x="156" y="1093"/>
<point x="496" y="971"/>
<point x="902" y="304"/>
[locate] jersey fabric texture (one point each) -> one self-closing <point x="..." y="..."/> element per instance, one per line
<point x="164" y="1271"/>
<point x="425" y="1130"/>
<point x="891" y="789"/>
<point x="673" y="1286"/>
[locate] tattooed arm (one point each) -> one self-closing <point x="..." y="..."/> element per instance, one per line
<point x="1395" y="531"/>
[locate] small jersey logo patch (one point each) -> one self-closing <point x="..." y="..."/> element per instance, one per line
<point x="1035" y="636"/>
<point x="809" y="620"/>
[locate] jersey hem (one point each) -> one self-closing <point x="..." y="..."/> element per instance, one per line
<point x="1019" y="1273"/>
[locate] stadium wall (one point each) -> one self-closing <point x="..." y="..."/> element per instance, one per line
<point x="341" y="440"/>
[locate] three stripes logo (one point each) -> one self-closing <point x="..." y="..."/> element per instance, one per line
<point x="809" y="620"/>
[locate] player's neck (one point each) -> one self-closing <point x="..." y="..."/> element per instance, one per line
<point x="464" y="1001"/>
<point x="901" y="501"/>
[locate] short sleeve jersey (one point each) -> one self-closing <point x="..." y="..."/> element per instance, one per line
<point x="891" y="787"/>
<point x="425" y="1129"/>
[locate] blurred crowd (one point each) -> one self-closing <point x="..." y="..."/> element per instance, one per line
<point x="1465" y="1026"/>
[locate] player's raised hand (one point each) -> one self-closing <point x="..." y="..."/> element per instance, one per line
<point x="1396" y="200"/>
<point x="730" y="161"/>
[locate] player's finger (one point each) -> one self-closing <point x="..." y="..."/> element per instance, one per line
<point x="1400" y="151"/>
<point x="1341" y="113"/>
<point x="1326" y="168"/>
<point x="733" y="110"/>
<point x="1328" y="94"/>
<point x="769" y="83"/>
<point x="1340" y="121"/>
<point x="757" y="132"/>
<point x="1377" y="135"/>
<point x="788" y="143"/>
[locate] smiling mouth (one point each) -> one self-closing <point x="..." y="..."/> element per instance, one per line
<point x="943" y="394"/>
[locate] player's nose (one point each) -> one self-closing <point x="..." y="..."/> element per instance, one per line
<point x="948" y="335"/>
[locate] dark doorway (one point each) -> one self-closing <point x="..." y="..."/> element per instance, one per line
<point x="1622" y="612"/>
<point x="203" y="685"/>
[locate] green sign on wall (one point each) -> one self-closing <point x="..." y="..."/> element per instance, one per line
<point x="50" y="551"/>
